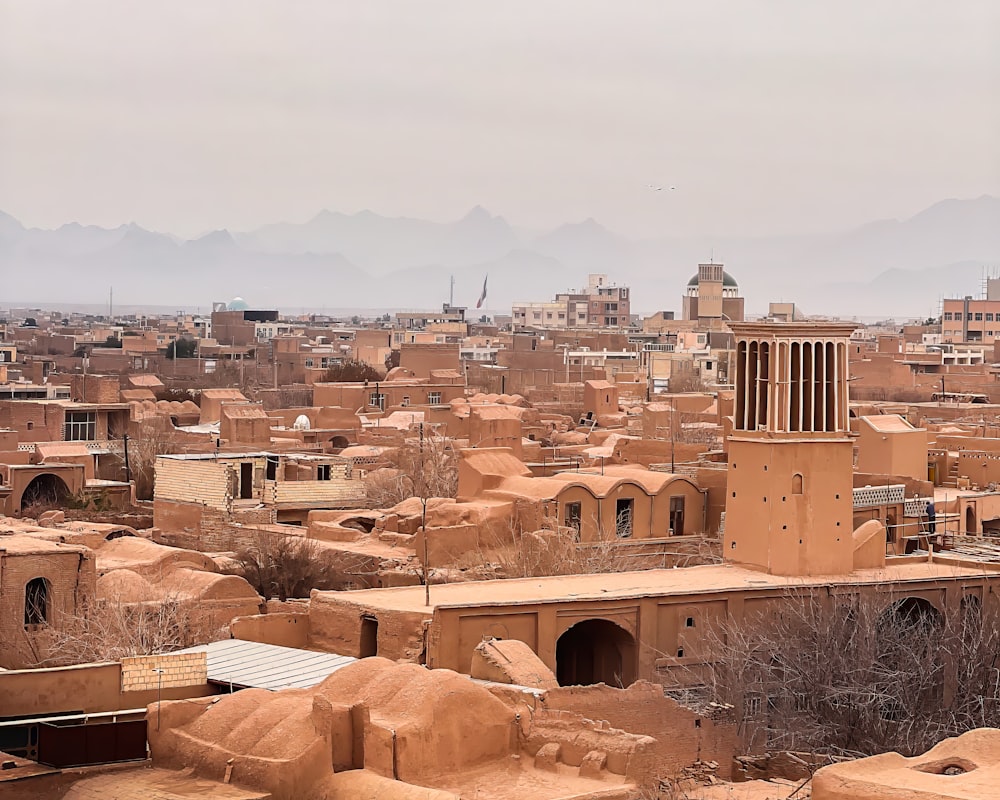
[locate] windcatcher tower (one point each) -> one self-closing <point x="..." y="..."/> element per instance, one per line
<point x="789" y="503"/>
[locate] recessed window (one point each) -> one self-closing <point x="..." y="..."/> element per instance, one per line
<point x="36" y="602"/>
<point x="680" y="652"/>
<point x="689" y="622"/>
<point x="80" y="426"/>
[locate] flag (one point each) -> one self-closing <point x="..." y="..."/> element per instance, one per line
<point x="482" y="297"/>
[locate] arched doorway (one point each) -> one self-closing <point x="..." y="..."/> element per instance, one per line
<point x="911" y="613"/>
<point x="970" y="520"/>
<point x="596" y="651"/>
<point x="44" y="489"/>
<point x="338" y="443"/>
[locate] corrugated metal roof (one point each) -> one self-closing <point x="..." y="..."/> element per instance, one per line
<point x="252" y="665"/>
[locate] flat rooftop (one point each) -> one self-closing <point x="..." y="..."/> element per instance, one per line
<point x="706" y="579"/>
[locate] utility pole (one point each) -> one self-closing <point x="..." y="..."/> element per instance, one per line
<point x="426" y="569"/>
<point x="159" y="693"/>
<point x="128" y="471"/>
<point x="673" y="438"/>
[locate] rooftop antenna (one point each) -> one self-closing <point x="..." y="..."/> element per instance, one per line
<point x="111" y="303"/>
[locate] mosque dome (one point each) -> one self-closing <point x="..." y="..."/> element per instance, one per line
<point x="237" y="304"/>
<point x="727" y="280"/>
<point x="301" y="423"/>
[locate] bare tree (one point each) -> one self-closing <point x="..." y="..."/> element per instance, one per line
<point x="858" y="675"/>
<point x="426" y="467"/>
<point x="153" y="440"/>
<point x="352" y="371"/>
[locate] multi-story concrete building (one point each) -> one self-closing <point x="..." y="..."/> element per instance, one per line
<point x="599" y="305"/>
<point x="969" y="320"/>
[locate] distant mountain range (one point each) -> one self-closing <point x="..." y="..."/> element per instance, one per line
<point x="364" y="260"/>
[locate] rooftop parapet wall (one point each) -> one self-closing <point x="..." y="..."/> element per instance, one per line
<point x="206" y="482"/>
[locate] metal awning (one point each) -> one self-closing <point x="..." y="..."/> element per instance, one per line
<point x="252" y="665"/>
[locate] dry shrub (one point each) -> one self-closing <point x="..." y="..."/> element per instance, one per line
<point x="110" y="630"/>
<point x="281" y="566"/>
<point x="386" y="488"/>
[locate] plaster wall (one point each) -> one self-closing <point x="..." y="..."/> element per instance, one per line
<point x="895" y="453"/>
<point x="71" y="580"/>
<point x="789" y="509"/>
<point x="87" y="688"/>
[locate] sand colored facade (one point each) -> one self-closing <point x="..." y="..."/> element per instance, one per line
<point x="889" y="445"/>
<point x="789" y="503"/>
<point x="614" y="628"/>
<point x="387" y="729"/>
<point x="40" y="580"/>
<point x="100" y="687"/>
<point x="624" y="502"/>
<point x="199" y="492"/>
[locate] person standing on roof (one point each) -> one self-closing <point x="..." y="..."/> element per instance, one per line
<point x="931" y="516"/>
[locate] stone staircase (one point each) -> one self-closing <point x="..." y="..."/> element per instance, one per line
<point x="952" y="479"/>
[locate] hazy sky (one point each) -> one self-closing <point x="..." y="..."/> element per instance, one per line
<point x="768" y="115"/>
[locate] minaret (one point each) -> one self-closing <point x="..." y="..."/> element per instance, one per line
<point x="789" y="507"/>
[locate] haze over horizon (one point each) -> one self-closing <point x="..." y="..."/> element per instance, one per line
<point x="784" y="119"/>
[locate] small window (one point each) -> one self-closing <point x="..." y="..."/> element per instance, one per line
<point x="434" y="398"/>
<point x="406" y="400"/>
<point x="689" y="622"/>
<point x="947" y="315"/>
<point x="989" y="316"/>
<point x="377" y="400"/>
<point x="797" y="483"/>
<point x="36" y="602"/>
<point x="572" y="517"/>
<point x="323" y="472"/>
<point x="979" y="316"/>
<point x="81" y="426"/>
